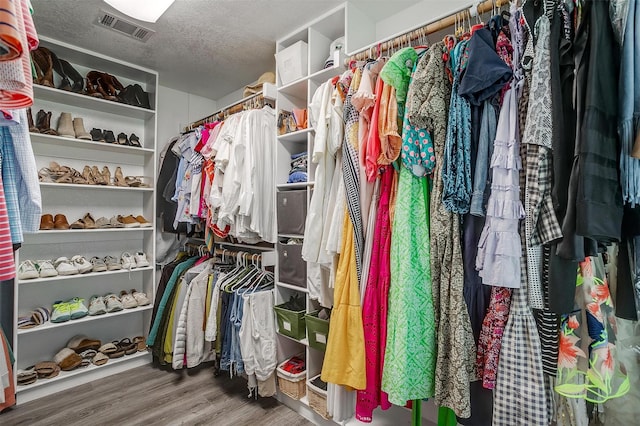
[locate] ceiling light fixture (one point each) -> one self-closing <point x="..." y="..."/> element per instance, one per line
<point x="142" y="10"/>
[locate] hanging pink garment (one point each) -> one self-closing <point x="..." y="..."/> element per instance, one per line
<point x="374" y="309"/>
<point x="16" y="84"/>
<point x="7" y="263"/>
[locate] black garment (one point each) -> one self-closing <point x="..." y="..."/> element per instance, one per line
<point x="625" y="298"/>
<point x="486" y="73"/>
<point x="594" y="211"/>
<point x="167" y="209"/>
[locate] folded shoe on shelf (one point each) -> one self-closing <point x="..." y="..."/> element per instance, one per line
<point x="128" y="301"/>
<point x="129" y="221"/>
<point x="115" y="223"/>
<point x="77" y="308"/>
<point x="97" y="306"/>
<point x="113" y="303"/>
<point x="27" y="377"/>
<point x="144" y="223"/>
<point x="100" y="359"/>
<point x="80" y="343"/>
<point x="35" y="318"/>
<point x="98" y="265"/>
<point x="60" y="312"/>
<point x="67" y="359"/>
<point x="46" y="269"/>
<point x="103" y="223"/>
<point x="82" y="264"/>
<point x="128" y="262"/>
<point x="27" y="270"/>
<point x="141" y="298"/>
<point x="141" y="259"/>
<point x="46" y="222"/>
<point x="65" y="267"/>
<point x="46" y="369"/>
<point x="113" y="264"/>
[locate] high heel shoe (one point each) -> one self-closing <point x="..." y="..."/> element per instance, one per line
<point x="106" y="175"/>
<point x="77" y="178"/>
<point x="97" y="176"/>
<point x="118" y="178"/>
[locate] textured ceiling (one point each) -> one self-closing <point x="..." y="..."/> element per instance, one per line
<point x="207" y="47"/>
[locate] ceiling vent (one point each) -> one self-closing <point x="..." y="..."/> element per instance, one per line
<point x="123" y="26"/>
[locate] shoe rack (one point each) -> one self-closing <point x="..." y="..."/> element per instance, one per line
<point x="296" y="95"/>
<point x="41" y="343"/>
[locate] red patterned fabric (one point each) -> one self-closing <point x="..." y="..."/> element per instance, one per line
<point x="7" y="263"/>
<point x="490" y="339"/>
<point x="375" y="305"/>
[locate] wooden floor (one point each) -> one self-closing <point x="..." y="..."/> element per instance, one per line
<point x="150" y="396"/>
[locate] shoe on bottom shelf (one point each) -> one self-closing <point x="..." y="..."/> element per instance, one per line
<point x="81" y="263"/>
<point x="97" y="306"/>
<point x="65" y="267"/>
<point x="61" y="312"/>
<point x="27" y="271"/>
<point x="67" y="359"/>
<point x="113" y="303"/>
<point x="77" y="309"/>
<point x="141" y="260"/>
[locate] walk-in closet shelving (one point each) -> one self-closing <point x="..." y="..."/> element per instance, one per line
<point x="319" y="35"/>
<point x="42" y="342"/>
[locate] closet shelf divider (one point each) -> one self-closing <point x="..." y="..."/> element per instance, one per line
<point x="304" y="341"/>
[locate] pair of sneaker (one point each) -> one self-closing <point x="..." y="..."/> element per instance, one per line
<point x="69" y="310"/>
<point x="138" y="260"/>
<point x="76" y="265"/>
<point x="99" y="305"/>
<point x="107" y="263"/>
<point x="29" y="270"/>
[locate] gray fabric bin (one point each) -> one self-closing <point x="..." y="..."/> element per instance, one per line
<point x="292" y="211"/>
<point x="291" y="267"/>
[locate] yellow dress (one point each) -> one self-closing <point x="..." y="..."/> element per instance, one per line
<point x="344" y="360"/>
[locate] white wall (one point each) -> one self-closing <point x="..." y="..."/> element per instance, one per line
<point x="178" y="109"/>
<point x="230" y="98"/>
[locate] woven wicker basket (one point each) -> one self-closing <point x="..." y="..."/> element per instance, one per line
<point x="292" y="385"/>
<point x="317" y="399"/>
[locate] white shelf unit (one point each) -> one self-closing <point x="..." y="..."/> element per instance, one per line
<point x="319" y="34"/>
<point x="41" y="343"/>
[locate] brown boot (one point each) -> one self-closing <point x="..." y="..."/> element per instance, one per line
<point x="32" y="127"/>
<point x="43" y="122"/>
<point x="91" y="91"/>
<point x="45" y="62"/>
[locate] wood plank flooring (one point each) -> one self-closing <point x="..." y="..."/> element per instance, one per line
<point x="152" y="396"/>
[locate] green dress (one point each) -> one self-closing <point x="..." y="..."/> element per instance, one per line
<point x="410" y="356"/>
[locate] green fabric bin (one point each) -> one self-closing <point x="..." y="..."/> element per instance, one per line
<point x="317" y="330"/>
<point x="290" y="323"/>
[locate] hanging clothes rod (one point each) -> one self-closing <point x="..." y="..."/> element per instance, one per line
<point x="256" y="99"/>
<point x="422" y="31"/>
<point x="265" y="258"/>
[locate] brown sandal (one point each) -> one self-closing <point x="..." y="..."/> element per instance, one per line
<point x="127" y="346"/>
<point x="141" y="343"/>
<point x="118" y="178"/>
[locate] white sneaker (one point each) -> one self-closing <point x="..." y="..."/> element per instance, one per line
<point x="65" y="267"/>
<point x="113" y="264"/>
<point x="113" y="303"/>
<point x="141" y="260"/>
<point x="46" y="269"/>
<point x="27" y="271"/>
<point x="82" y="264"/>
<point x="128" y="262"/>
<point x="128" y="301"/>
<point x="97" y="306"/>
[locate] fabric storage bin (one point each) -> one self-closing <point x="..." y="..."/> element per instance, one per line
<point x="292" y="211"/>
<point x="292" y="385"/>
<point x="292" y="62"/>
<point x="317" y="330"/>
<point x="292" y="269"/>
<point x="317" y="398"/>
<point x="290" y="323"/>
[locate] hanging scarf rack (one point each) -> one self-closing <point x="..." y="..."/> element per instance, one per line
<point x="420" y="33"/>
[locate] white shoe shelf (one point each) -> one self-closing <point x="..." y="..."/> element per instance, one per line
<point x="42" y="342"/>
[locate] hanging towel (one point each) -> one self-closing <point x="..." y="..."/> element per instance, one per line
<point x="10" y="39"/>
